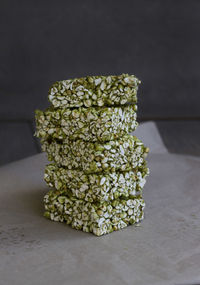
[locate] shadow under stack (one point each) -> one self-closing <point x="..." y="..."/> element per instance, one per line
<point x="99" y="169"/>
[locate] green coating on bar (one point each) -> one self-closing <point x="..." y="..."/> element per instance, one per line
<point x="94" y="91"/>
<point x="90" y="124"/>
<point x="97" y="186"/>
<point x="96" y="218"/>
<point x="122" y="154"/>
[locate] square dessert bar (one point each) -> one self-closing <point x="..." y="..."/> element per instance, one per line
<point x="97" y="186"/>
<point x="90" y="124"/>
<point x="98" y="218"/>
<point x="94" y="91"/>
<point x="122" y="154"/>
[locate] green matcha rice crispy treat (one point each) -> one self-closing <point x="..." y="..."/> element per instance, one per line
<point x="97" y="186"/>
<point x="122" y="154"/>
<point x="96" y="218"/>
<point x="90" y="124"/>
<point x="94" y="91"/>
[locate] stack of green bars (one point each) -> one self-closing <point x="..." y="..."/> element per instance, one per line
<point x="99" y="169"/>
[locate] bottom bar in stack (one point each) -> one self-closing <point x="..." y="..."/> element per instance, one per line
<point x="98" y="218"/>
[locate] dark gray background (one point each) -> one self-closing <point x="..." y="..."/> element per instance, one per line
<point x="46" y="41"/>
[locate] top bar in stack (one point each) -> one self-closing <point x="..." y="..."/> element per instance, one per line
<point x="94" y="91"/>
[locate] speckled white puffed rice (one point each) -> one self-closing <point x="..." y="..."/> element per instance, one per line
<point x="97" y="218"/>
<point x="90" y="124"/>
<point x="94" y="91"/>
<point x="122" y="154"/>
<point x="97" y="187"/>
